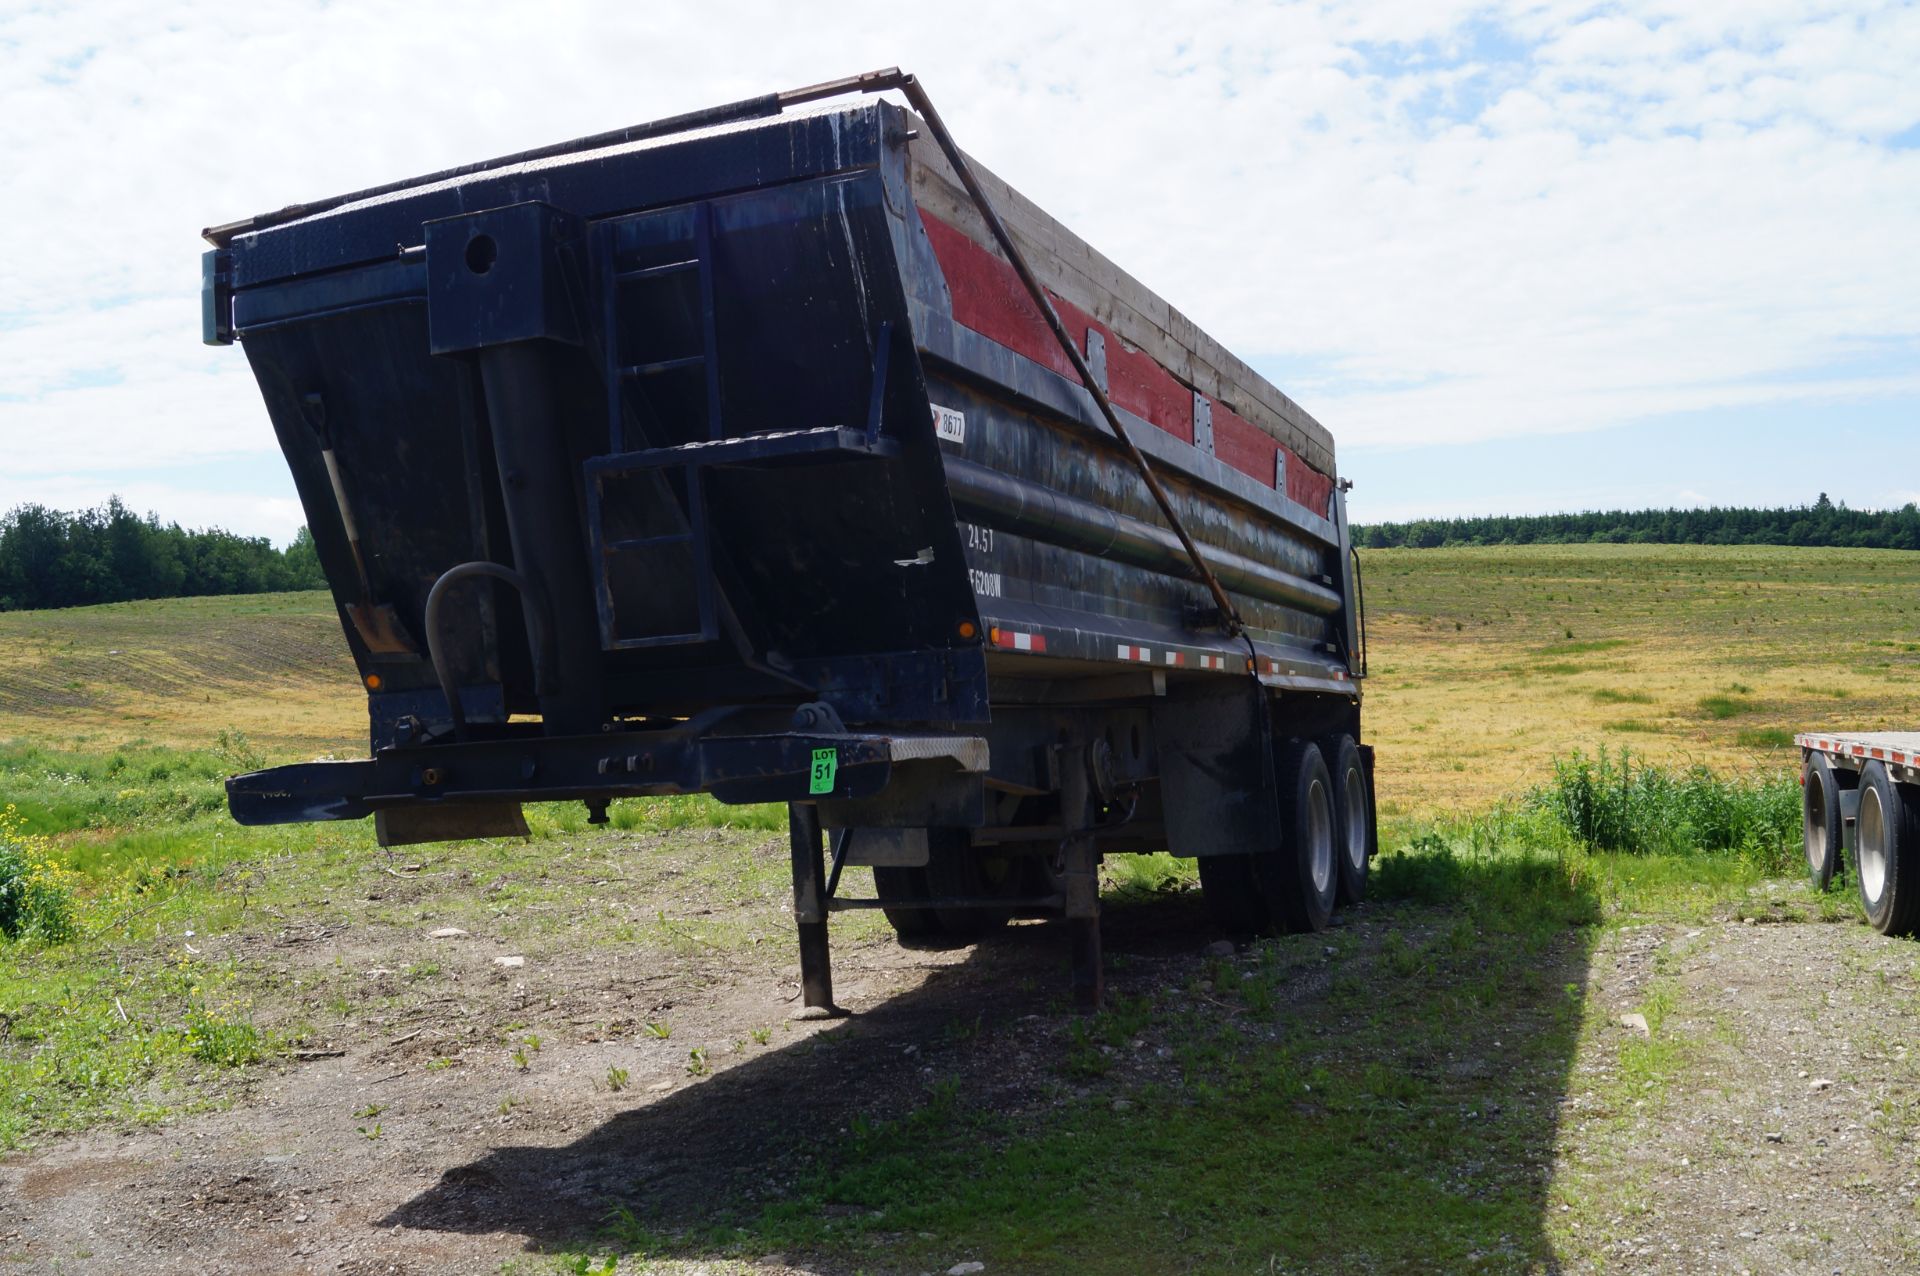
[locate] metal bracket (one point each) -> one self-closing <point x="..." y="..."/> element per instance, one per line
<point x="1203" y="422"/>
<point x="1097" y="359"/>
<point x="500" y="276"/>
<point x="1280" y="471"/>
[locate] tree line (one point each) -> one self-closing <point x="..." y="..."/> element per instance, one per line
<point x="1825" y="522"/>
<point x="50" y="558"/>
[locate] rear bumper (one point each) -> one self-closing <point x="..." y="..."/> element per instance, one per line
<point x="767" y="767"/>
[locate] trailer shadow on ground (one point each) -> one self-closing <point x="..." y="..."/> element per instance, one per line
<point x="1387" y="1094"/>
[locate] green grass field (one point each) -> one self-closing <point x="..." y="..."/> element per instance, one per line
<point x="1179" y="1129"/>
<point x="1489" y="663"/>
<point x="182" y="672"/>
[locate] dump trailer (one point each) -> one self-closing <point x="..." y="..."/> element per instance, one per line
<point x="780" y="452"/>
<point x="1860" y="803"/>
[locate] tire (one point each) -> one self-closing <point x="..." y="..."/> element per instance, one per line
<point x="1300" y="877"/>
<point x="1353" y="819"/>
<point x="956" y="869"/>
<point x="1233" y="901"/>
<point x="952" y="869"/>
<point x="1034" y="875"/>
<point x="1820" y="789"/>
<point x="899" y="889"/>
<point x="1887" y="861"/>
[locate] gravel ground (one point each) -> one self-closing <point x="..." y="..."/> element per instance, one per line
<point x="1773" y="1131"/>
<point x="1786" y="1139"/>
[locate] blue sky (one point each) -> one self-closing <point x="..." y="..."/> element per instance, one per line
<point x="1867" y="455"/>
<point x="1518" y="256"/>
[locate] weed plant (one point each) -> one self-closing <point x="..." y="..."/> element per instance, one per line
<point x="1612" y="802"/>
<point x="36" y="896"/>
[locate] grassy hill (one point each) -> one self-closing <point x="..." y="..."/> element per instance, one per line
<point x="1486" y="663"/>
<point x="179" y="672"/>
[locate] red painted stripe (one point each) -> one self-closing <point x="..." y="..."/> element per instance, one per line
<point x="1137" y="382"/>
<point x="989" y="298"/>
<point x="1250" y="449"/>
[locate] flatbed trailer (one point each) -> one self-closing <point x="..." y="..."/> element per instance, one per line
<point x="1860" y="804"/>
<point x="780" y="452"/>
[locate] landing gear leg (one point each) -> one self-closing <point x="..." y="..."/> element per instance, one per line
<point x="1089" y="985"/>
<point x="810" y="912"/>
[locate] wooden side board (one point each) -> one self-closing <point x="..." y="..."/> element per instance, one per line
<point x="1073" y="270"/>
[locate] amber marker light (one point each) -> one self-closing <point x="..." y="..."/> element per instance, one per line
<point x="967" y="629"/>
<point x="373" y="682"/>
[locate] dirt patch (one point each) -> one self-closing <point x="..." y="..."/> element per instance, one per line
<point x="440" y="1139"/>
<point x="453" y="1144"/>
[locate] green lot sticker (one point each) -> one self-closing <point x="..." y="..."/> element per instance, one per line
<point x="826" y="764"/>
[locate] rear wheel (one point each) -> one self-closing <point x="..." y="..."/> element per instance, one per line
<point x="1887" y="866"/>
<point x="1353" y="811"/>
<point x="1299" y="878"/>
<point x="957" y="870"/>
<point x="1821" y="786"/>
<point x="954" y="870"/>
<point x="900" y="889"/>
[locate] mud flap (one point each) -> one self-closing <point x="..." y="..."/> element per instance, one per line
<point x="455" y="821"/>
<point x="1216" y="768"/>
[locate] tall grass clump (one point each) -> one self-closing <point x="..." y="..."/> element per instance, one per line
<point x="36" y="896"/>
<point x="1615" y="803"/>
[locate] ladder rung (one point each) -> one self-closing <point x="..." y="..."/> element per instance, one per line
<point x="647" y="542"/>
<point x="662" y="365"/>
<point x="654" y="272"/>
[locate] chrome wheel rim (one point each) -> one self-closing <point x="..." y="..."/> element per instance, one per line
<point x="1356" y="820"/>
<point x="1814" y="808"/>
<point x="1872" y="827"/>
<point x="1320" y="836"/>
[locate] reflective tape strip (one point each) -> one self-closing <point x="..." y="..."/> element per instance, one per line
<point x="1854" y="749"/>
<point x="1135" y="653"/>
<point x="1012" y="641"/>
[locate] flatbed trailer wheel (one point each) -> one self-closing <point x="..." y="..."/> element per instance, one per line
<point x="1353" y="819"/>
<point x="1299" y="878"/>
<point x="1887" y="861"/>
<point x="1821" y="822"/>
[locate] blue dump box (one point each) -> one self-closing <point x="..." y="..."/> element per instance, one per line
<point x="780" y="452"/>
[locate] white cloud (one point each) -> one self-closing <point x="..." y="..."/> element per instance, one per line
<point x="1665" y="206"/>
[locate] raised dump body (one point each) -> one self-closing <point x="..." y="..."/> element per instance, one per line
<point x="737" y="454"/>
